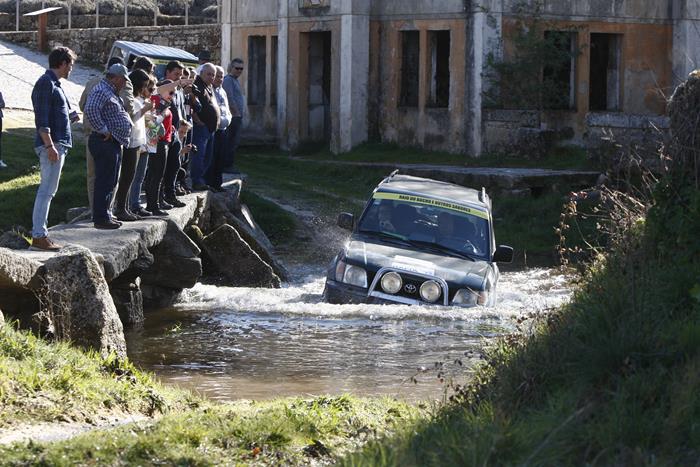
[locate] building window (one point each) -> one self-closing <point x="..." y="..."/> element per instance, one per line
<point x="439" y="92"/>
<point x="605" y="85"/>
<point x="273" y="70"/>
<point x="257" y="60"/>
<point x="410" y="53"/>
<point x="559" y="73"/>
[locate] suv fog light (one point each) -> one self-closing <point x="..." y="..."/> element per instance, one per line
<point x="391" y="283"/>
<point x="465" y="297"/>
<point x="355" y="275"/>
<point x="430" y="291"/>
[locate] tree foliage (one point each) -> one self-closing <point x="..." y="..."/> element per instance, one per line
<point x="537" y="75"/>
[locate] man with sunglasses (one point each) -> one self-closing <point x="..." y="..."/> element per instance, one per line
<point x="236" y="103"/>
<point x="52" y="116"/>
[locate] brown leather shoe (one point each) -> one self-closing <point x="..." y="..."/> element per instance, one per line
<point x="44" y="244"/>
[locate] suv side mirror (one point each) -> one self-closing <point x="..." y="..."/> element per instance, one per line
<point x="346" y="221"/>
<point x="503" y="254"/>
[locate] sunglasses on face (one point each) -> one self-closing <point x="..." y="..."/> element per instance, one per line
<point x="239" y="68"/>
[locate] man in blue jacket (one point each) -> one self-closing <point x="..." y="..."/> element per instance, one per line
<point x="52" y="116"/>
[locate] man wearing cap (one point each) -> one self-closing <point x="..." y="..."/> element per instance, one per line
<point x="204" y="57"/>
<point x="111" y="126"/>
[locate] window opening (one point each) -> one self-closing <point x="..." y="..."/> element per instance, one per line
<point x="559" y="75"/>
<point x="604" y="93"/>
<point x="439" y="42"/>
<point x="410" y="53"/>
<point x="257" y="59"/>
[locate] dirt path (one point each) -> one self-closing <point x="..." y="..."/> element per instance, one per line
<point x="59" y="431"/>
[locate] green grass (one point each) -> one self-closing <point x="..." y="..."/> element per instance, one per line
<point x="274" y="221"/>
<point x="561" y="158"/>
<point x="611" y="379"/>
<point x="19" y="182"/>
<point x="50" y="382"/>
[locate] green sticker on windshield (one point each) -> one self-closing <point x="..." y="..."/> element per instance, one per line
<point x="432" y="202"/>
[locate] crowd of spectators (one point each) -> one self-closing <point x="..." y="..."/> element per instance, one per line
<point x="167" y="137"/>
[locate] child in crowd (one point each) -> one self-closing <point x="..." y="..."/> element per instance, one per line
<point x="158" y="149"/>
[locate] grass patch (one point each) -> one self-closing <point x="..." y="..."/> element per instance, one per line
<point x="277" y="223"/>
<point x="55" y="382"/>
<point x="41" y="382"/>
<point x="19" y="182"/>
<point x="559" y="158"/>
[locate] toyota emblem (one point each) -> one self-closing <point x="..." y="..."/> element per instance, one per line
<point x="410" y="288"/>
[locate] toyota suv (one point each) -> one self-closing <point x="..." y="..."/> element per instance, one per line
<point x="419" y="242"/>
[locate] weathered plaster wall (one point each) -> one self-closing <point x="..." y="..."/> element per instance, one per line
<point x="441" y="129"/>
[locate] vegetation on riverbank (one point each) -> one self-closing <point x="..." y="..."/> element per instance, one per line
<point x="610" y="379"/>
<point x="42" y="382"/>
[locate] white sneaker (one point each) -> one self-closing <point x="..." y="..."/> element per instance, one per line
<point x="2" y="164"/>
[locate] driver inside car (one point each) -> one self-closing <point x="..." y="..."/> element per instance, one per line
<point x="456" y="233"/>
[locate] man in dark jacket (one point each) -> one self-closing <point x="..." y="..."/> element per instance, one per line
<point x="206" y="121"/>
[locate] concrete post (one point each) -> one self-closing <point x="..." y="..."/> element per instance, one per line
<point x="354" y="76"/>
<point x="187" y="14"/>
<point x="126" y="13"/>
<point x="476" y="58"/>
<point x="226" y="25"/>
<point x="282" y="71"/>
<point x="17" y="15"/>
<point x="686" y="39"/>
<point x="70" y="14"/>
<point x="97" y="14"/>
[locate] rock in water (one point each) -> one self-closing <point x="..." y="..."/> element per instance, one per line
<point x="76" y="302"/>
<point x="237" y="261"/>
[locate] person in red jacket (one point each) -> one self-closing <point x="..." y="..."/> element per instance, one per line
<point x="156" y="162"/>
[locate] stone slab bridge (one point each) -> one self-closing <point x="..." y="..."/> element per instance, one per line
<point x="99" y="282"/>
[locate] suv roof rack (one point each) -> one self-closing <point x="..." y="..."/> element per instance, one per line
<point x="391" y="175"/>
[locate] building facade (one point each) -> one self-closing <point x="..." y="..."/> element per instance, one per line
<point x="413" y="72"/>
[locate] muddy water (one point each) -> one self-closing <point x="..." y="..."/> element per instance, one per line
<point x="231" y="343"/>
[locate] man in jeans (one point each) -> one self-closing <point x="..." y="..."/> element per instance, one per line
<point x="53" y="139"/>
<point x="206" y="121"/>
<point x="111" y="126"/>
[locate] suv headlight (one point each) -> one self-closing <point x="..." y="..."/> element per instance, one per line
<point x="392" y="283"/>
<point x="430" y="291"/>
<point x="469" y="297"/>
<point x="355" y="275"/>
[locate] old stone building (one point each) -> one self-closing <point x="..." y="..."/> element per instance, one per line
<point x="413" y="71"/>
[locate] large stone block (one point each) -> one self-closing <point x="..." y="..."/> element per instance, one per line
<point x="236" y="261"/>
<point x="76" y="304"/>
<point x="16" y="270"/>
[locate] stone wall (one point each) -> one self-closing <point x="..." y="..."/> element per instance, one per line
<point x="59" y="20"/>
<point x="94" y="45"/>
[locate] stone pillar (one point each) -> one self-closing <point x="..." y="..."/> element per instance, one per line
<point x="474" y="100"/>
<point x="282" y="70"/>
<point x="354" y="79"/>
<point x="226" y="33"/>
<point x="686" y="38"/>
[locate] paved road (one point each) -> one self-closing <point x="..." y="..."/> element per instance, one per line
<point x="20" y="67"/>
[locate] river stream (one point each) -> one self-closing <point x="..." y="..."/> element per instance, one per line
<point x="234" y="343"/>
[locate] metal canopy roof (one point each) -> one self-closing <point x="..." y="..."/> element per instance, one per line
<point x="407" y="184"/>
<point x="42" y="11"/>
<point x="152" y="50"/>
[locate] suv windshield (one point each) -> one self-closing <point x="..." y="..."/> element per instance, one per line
<point x="426" y="221"/>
